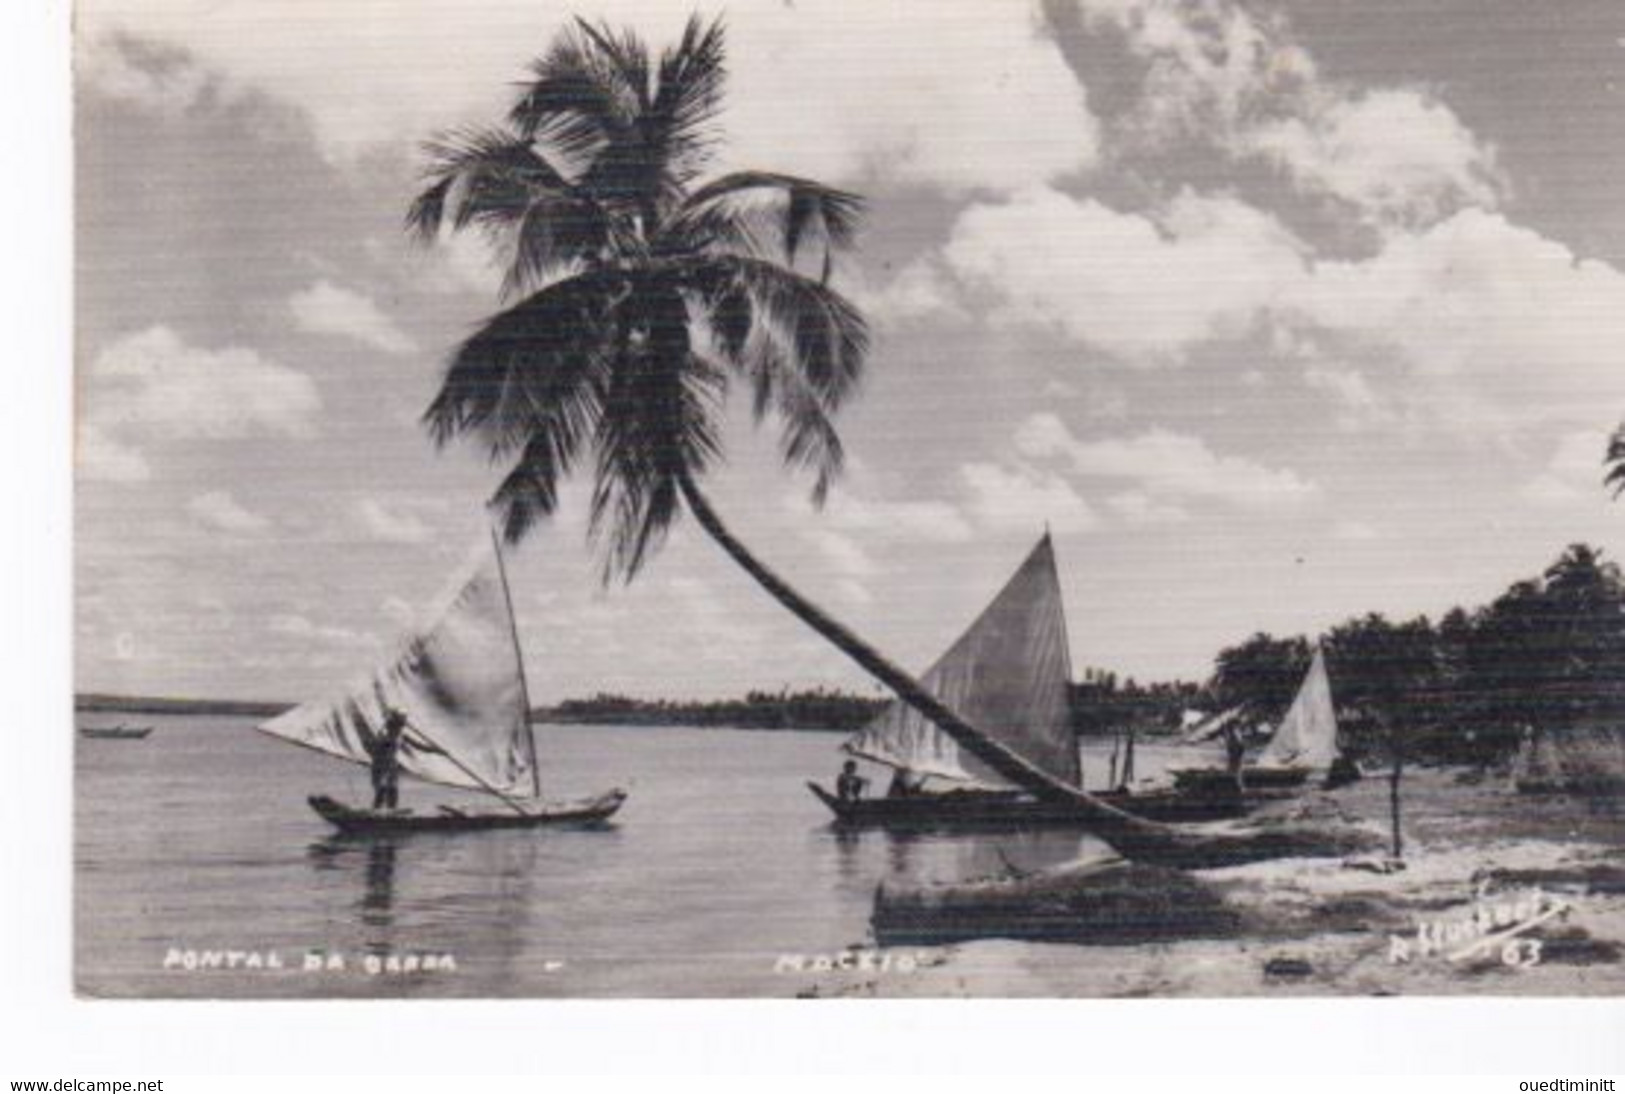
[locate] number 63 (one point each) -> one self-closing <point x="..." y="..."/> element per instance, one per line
<point x="1521" y="953"/>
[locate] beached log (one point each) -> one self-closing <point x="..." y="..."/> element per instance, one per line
<point x="1110" y="902"/>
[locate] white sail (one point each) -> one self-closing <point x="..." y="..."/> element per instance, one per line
<point x="460" y="683"/>
<point x="1212" y="726"/>
<point x="1307" y="735"/>
<point x="1008" y="675"/>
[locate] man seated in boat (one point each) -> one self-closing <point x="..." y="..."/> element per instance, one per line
<point x="849" y="784"/>
<point x="905" y="784"/>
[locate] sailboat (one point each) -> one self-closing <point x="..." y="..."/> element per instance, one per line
<point x="1010" y="675"/>
<point x="1304" y="744"/>
<point x="119" y="732"/>
<point x="460" y="682"/>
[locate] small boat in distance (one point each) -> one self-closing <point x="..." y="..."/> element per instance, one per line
<point x="1303" y="745"/>
<point x="460" y="682"/>
<point x="119" y="732"/>
<point x="1010" y="675"/>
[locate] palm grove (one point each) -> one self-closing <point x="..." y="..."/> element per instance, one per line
<point x="638" y="293"/>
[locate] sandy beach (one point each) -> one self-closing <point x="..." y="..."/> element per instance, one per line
<point x="1475" y="850"/>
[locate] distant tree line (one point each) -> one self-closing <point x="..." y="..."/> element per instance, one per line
<point x="817" y="708"/>
<point x="1103" y="704"/>
<point x="1547" y="654"/>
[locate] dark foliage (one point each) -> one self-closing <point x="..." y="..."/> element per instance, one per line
<point x="814" y="709"/>
<point x="1547" y="654"/>
<point x="637" y="294"/>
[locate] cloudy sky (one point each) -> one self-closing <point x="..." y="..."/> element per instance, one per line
<point x="1274" y="312"/>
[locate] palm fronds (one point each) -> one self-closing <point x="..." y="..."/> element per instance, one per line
<point x="535" y="370"/>
<point x="647" y="294"/>
<point x="1616" y="462"/>
<point x="802" y="211"/>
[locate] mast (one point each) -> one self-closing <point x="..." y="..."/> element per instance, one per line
<point x="519" y="656"/>
<point x="469" y="771"/>
<point x="1066" y="645"/>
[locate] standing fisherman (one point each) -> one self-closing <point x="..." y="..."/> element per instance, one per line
<point x="384" y="751"/>
<point x="1235" y="753"/>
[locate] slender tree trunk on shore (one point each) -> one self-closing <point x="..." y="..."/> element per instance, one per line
<point x="1396" y="746"/>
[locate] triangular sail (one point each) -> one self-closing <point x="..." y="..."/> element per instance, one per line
<point x="1009" y="675"/>
<point x="1307" y="735"/>
<point x="460" y="683"/>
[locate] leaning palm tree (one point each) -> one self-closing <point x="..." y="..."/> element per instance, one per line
<point x="636" y="296"/>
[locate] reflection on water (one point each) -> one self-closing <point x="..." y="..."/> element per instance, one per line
<point x="720" y="862"/>
<point x="925" y="856"/>
<point x="380" y="893"/>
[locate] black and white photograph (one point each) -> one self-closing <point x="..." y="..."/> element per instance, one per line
<point x="817" y="499"/>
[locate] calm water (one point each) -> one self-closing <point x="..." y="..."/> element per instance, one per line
<point x="199" y="839"/>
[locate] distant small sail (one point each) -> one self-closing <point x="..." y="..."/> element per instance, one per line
<point x="1212" y="726"/>
<point x="1307" y="735"/>
<point x="460" y="683"/>
<point x="1008" y="675"/>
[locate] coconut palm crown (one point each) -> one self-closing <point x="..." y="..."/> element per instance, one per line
<point x="635" y="293"/>
<point x="635" y="296"/>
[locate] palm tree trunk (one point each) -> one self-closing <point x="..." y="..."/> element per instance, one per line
<point x="1132" y="837"/>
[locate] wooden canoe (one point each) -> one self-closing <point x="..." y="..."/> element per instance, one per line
<point x="368" y="822"/>
<point x="1257" y="780"/>
<point x="115" y="733"/>
<point x="1012" y="809"/>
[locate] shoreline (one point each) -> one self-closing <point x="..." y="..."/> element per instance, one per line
<point x="205" y="708"/>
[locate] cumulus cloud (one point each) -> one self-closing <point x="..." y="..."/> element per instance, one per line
<point x="101" y="458"/>
<point x="1355" y="531"/>
<point x="1139" y="509"/>
<point x="298" y="626"/>
<point x="1574" y="473"/>
<point x="1398" y="156"/>
<point x="151" y="388"/>
<point x="326" y="308"/>
<point x="1143" y="288"/>
<point x="1358" y="406"/>
<point x="390" y="524"/>
<point x="1493" y="325"/>
<point x="398" y="611"/>
<point x="849" y="561"/>
<point x="852" y="507"/>
<point x="1025" y="499"/>
<point x="221" y="512"/>
<point x="1219" y="73"/>
<point x="862" y="105"/>
<point x="921" y="290"/>
<point x="1474" y="323"/>
<point x="1207" y="65"/>
<point x="857" y="515"/>
<point x="715" y="630"/>
<point x="1165" y="464"/>
<point x="154" y="76"/>
<point x="154" y="383"/>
